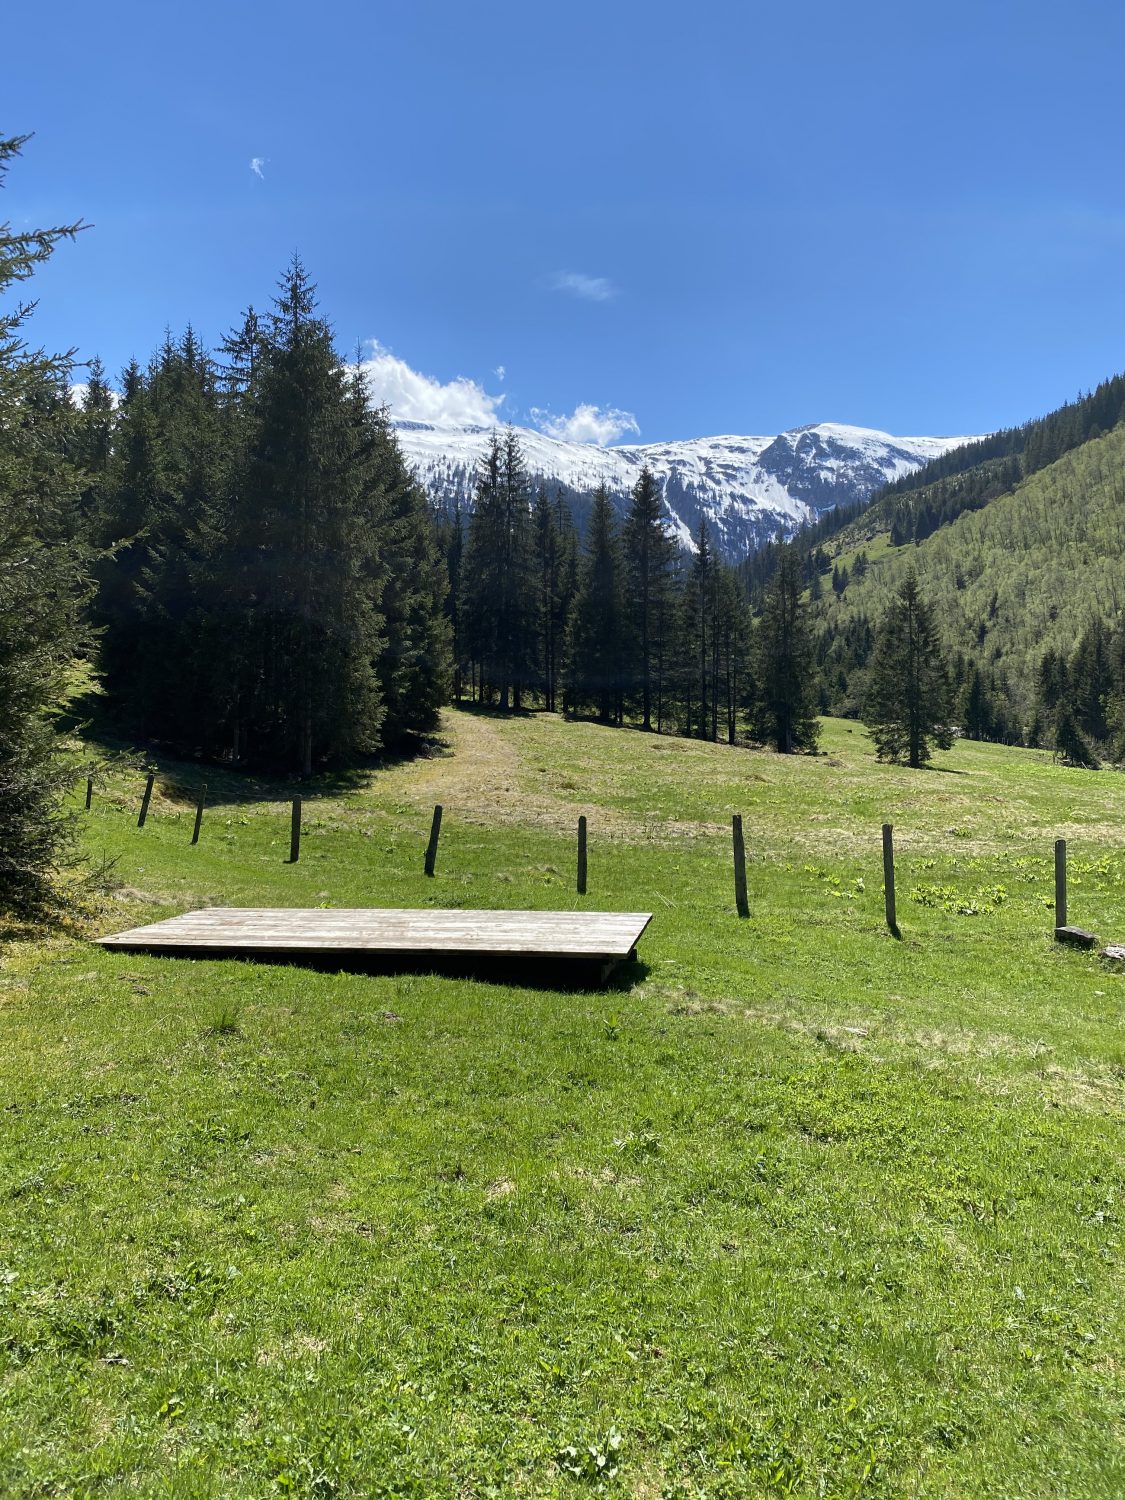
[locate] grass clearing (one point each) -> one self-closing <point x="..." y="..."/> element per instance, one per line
<point x="804" y="1211"/>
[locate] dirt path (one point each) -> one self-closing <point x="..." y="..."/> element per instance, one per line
<point x="484" y="780"/>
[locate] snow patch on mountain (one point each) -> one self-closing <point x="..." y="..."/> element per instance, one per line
<point x="748" y="489"/>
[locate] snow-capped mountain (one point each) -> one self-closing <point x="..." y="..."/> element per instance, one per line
<point x="748" y="488"/>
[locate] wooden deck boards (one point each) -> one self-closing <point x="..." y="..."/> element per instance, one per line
<point x="599" y="936"/>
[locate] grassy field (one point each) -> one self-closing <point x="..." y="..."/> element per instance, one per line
<point x="794" y="1209"/>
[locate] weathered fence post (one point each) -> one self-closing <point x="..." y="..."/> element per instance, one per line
<point x="889" y="877"/>
<point x="143" y="814"/>
<point x="198" y="815"/>
<point x="89" y="791"/>
<point x="431" y="847"/>
<point x="1060" y="883"/>
<point x="295" y="832"/>
<point x="740" y="901"/>
<point x="582" y="855"/>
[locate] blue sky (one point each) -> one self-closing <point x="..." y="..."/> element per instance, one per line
<point x="608" y="219"/>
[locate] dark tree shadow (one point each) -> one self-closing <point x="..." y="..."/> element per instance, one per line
<point x="182" y="777"/>
<point x="565" y="975"/>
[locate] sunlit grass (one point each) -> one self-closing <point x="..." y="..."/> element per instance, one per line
<point x="805" y="1210"/>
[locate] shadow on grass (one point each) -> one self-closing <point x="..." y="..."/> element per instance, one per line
<point x="182" y="777"/>
<point x="493" y="711"/>
<point x="565" y="975"/>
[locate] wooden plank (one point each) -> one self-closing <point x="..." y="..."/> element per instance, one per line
<point x="600" y="935"/>
<point x="1077" y="936"/>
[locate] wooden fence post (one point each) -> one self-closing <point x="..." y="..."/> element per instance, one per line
<point x="1060" y="883"/>
<point x="889" y="878"/>
<point x="295" y="832"/>
<point x="582" y="855"/>
<point x="143" y="814"/>
<point x="89" y="791"/>
<point x="741" y="904"/>
<point x="431" y="847"/>
<point x="199" y="815"/>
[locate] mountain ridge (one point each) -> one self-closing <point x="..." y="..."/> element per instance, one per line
<point x="749" y="489"/>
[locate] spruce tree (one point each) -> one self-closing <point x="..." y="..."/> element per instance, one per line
<point x="649" y="554"/>
<point x="595" y="637"/>
<point x="731" y="686"/>
<point x="556" y="560"/>
<point x="43" y="569"/>
<point x="500" y="592"/>
<point x="303" y="531"/>
<point x="908" y="699"/>
<point x="784" y="711"/>
<point x="407" y="570"/>
<point x="699" y="619"/>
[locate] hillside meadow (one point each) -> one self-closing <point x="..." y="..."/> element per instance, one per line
<point x="1023" y="575"/>
<point x="791" y="1208"/>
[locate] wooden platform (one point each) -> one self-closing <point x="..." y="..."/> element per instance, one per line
<point x="597" y="940"/>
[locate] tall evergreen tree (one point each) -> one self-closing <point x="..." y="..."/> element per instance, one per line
<point x="784" y="668"/>
<point x="731" y="687"/>
<point x="451" y="545"/>
<point x="42" y="576"/>
<point x="303" y="535"/>
<point x="908" y="707"/>
<point x="500" y="593"/>
<point x="556" y="554"/>
<point x="649" y="554"/>
<point x="595" y="637"/>
<point x="415" y="658"/>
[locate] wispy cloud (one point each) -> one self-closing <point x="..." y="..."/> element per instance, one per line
<point x="587" y="424"/>
<point x="256" y="165"/>
<point x="500" y="372"/>
<point x="588" y="288"/>
<point x="414" y="397"/>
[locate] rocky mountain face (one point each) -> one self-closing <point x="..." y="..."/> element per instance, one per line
<point x="748" y="489"/>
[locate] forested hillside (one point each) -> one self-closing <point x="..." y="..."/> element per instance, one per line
<point x="1024" y="576"/>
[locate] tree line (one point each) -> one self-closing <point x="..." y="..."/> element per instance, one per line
<point x="623" y="624"/>
<point x="269" y="588"/>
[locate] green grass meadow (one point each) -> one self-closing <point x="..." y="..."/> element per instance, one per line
<point x="791" y="1208"/>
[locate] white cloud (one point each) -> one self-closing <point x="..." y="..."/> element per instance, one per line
<point x="78" y="389"/>
<point x="589" y="288"/>
<point x="587" y="424"/>
<point x="500" y="372"/>
<point x="256" y="165"/>
<point x="414" y="397"/>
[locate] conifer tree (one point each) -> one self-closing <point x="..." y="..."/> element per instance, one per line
<point x="43" y="563"/>
<point x="730" y="684"/>
<point x="649" y="554"/>
<point x="1070" y="742"/>
<point x="407" y="568"/>
<point x="697" y="620"/>
<point x="499" y="593"/>
<point x="556" y="554"/>
<point x="595" y="637"/>
<point x="451" y="545"/>
<point x="303" y="532"/>
<point x="907" y="708"/>
<point x="784" y="667"/>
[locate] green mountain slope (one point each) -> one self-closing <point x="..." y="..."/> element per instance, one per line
<point x="1022" y="575"/>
